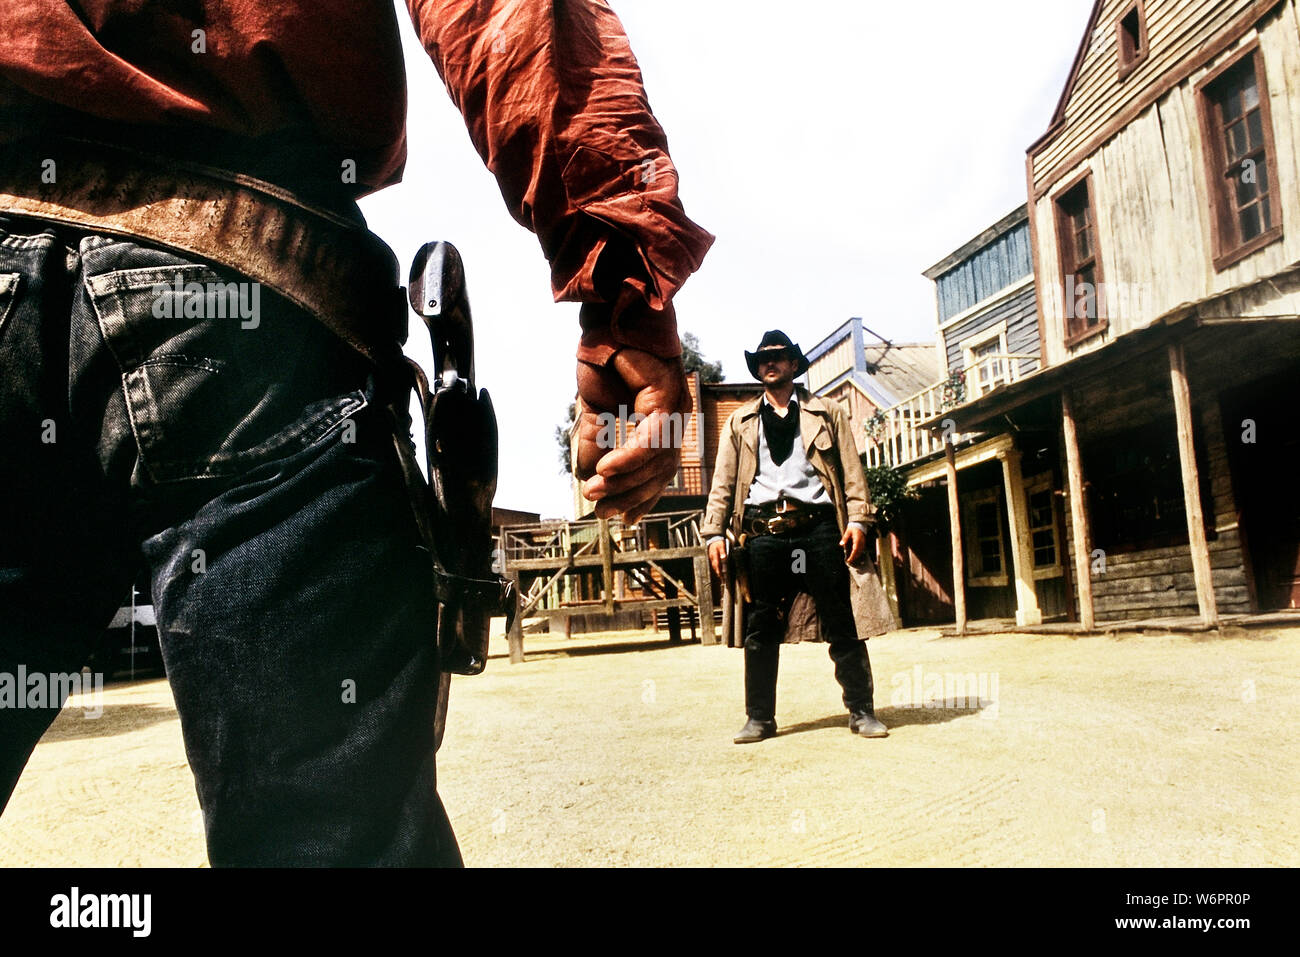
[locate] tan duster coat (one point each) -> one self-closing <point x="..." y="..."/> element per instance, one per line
<point x="828" y="443"/>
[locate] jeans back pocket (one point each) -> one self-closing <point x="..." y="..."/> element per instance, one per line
<point x="219" y="375"/>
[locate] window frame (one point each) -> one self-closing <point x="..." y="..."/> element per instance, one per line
<point x="969" y="345"/>
<point x="1226" y="248"/>
<point x="1130" y="62"/>
<point x="970" y="540"/>
<point x="1065" y="253"/>
<point x="1033" y="486"/>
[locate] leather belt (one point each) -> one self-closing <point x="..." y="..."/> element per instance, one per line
<point x="784" y="518"/>
<point x="337" y="270"/>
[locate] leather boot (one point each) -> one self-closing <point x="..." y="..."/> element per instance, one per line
<point x="761" y="661"/>
<point x="755" y="731"/>
<point x="867" y="724"/>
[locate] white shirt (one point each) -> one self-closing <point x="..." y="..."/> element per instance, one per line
<point x="794" y="479"/>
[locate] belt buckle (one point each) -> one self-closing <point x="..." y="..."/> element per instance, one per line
<point x="783" y="519"/>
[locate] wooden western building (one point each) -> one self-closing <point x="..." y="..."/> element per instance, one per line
<point x="987" y="339"/>
<point x="1171" y="173"/>
<point x="1148" y="448"/>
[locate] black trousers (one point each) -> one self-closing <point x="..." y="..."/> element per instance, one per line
<point x="781" y="566"/>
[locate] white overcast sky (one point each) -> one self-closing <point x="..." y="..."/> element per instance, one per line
<point x="836" y="149"/>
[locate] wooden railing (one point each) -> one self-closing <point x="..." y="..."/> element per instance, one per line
<point x="895" y="436"/>
<point x="563" y="569"/>
<point x="563" y="540"/>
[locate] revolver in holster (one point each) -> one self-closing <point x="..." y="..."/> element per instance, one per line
<point x="738" y="563"/>
<point x="461" y="454"/>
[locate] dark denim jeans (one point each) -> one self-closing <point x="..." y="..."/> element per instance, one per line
<point x="781" y="566"/>
<point x="249" y="463"/>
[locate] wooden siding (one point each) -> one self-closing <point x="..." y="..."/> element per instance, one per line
<point x="1152" y="200"/>
<point x="995" y="267"/>
<point x="692" y="451"/>
<point x="925" y="569"/>
<point x="1176" y="30"/>
<point x="836" y="362"/>
<point x="1019" y="312"/>
<point x="859" y="408"/>
<point x="718" y="403"/>
<point x="690" y="481"/>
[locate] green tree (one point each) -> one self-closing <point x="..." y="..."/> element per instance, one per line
<point x="564" y="439"/>
<point x="888" y="489"/>
<point x="694" y="362"/>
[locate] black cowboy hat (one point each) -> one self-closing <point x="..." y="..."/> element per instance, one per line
<point x="779" y="343"/>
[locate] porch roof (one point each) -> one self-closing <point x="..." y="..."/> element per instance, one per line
<point x="969" y="416"/>
<point x="1006" y="399"/>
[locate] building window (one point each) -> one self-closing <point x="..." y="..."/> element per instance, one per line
<point x="1132" y="39"/>
<point x="985" y="550"/>
<point x="990" y="366"/>
<point x="1043" y="532"/>
<point x="985" y="361"/>
<point x="1241" y="163"/>
<point x="1081" y="274"/>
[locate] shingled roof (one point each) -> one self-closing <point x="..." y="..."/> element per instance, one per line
<point x="903" y="369"/>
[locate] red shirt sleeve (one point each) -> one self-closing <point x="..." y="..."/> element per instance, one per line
<point x="554" y="103"/>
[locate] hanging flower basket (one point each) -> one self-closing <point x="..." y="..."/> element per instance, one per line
<point x="876" y="426"/>
<point x="954" y="390"/>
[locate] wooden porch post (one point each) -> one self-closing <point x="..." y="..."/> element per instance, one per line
<point x="674" y="615"/>
<point x="954" y="522"/>
<point x="1022" y="551"/>
<point x="1078" y="515"/>
<point x="1192" y="488"/>
<point x="606" y="566"/>
<point x="516" y="635"/>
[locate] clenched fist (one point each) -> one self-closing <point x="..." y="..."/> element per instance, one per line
<point x="628" y="480"/>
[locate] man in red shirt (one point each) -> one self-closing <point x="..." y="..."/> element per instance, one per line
<point x="154" y="156"/>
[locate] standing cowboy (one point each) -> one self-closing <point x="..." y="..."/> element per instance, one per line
<point x="788" y="479"/>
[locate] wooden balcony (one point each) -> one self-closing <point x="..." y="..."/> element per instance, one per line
<point x="549" y="545"/>
<point x="895" y="436"/>
<point x="565" y="570"/>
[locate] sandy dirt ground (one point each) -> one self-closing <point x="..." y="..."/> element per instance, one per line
<point x="616" y="750"/>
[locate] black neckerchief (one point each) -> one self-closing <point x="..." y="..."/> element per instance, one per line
<point x="780" y="431"/>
